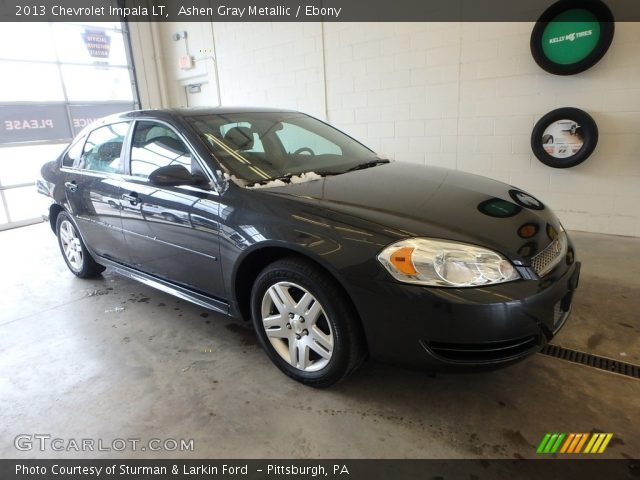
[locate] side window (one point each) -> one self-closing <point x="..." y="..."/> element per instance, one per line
<point x="296" y="139"/>
<point x="154" y="146"/>
<point x="74" y="153"/>
<point x="102" y="151"/>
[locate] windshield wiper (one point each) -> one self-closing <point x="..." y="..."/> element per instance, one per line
<point x="285" y="178"/>
<point x="369" y="164"/>
<point x="360" y="166"/>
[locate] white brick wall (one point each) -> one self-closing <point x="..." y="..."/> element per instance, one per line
<point x="463" y="96"/>
<point x="271" y="64"/>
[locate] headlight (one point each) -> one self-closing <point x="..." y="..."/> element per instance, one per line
<point x="443" y="263"/>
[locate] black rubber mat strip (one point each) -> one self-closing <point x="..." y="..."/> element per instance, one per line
<point x="590" y="360"/>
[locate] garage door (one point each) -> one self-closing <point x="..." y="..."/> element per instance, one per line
<point x="57" y="78"/>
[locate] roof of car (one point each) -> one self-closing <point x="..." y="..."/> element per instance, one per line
<point x="198" y="111"/>
<point x="195" y="111"/>
<point x="172" y="113"/>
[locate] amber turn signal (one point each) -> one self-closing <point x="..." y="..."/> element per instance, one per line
<point x="401" y="259"/>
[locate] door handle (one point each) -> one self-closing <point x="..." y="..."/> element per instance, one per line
<point x="71" y="186"/>
<point x="132" y="198"/>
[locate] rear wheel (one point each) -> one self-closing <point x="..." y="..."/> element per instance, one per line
<point x="73" y="249"/>
<point x="305" y="324"/>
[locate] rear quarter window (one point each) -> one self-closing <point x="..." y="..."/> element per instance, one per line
<point x="73" y="153"/>
<point x="103" y="148"/>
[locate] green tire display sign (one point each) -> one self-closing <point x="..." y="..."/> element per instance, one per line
<point x="572" y="36"/>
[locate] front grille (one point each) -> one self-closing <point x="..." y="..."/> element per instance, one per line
<point x="547" y="259"/>
<point x="483" y="352"/>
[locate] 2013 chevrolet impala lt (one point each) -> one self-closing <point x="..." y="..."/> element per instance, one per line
<point x="333" y="252"/>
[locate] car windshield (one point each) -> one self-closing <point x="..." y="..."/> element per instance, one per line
<point x="263" y="146"/>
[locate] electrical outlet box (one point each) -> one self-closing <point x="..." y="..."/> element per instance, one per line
<point x="185" y="62"/>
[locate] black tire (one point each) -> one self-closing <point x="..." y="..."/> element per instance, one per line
<point x="607" y="29"/>
<point x="87" y="267"/>
<point x="588" y="129"/>
<point x="348" y="339"/>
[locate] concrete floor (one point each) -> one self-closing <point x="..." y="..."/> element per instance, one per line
<point x="111" y="358"/>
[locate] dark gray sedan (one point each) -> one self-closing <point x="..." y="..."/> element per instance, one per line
<point x="334" y="253"/>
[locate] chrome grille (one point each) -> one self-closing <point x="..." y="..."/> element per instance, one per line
<point x="483" y="352"/>
<point x="548" y="258"/>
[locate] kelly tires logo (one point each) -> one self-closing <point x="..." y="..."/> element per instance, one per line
<point x="572" y="35"/>
<point x="574" y="443"/>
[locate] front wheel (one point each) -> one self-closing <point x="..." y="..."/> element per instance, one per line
<point x="305" y="323"/>
<point x="73" y="249"/>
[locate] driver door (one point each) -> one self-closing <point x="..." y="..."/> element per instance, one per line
<point x="163" y="239"/>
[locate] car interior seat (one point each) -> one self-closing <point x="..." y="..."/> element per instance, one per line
<point x="240" y="137"/>
<point x="102" y="158"/>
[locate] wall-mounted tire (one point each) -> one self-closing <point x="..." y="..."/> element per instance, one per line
<point x="597" y="11"/>
<point x="588" y="131"/>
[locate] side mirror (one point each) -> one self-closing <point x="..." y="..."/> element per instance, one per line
<point x="174" y="175"/>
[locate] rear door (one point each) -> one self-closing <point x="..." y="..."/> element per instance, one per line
<point x="172" y="232"/>
<point x="92" y="189"/>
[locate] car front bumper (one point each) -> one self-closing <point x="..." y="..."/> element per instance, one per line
<point x="448" y="329"/>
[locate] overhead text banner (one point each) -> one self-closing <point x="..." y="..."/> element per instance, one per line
<point x="288" y="10"/>
<point x="31" y="123"/>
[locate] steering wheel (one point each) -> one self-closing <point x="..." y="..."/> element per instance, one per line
<point x="304" y="149"/>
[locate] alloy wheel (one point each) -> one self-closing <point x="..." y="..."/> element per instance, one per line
<point x="71" y="245"/>
<point x="297" y="326"/>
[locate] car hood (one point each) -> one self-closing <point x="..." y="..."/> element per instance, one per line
<point x="402" y="200"/>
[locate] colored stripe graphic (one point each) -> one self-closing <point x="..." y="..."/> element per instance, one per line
<point x="582" y="442"/>
<point x="573" y="443"/>
<point x="605" y="442"/>
<point x="578" y="440"/>
<point x="555" y="447"/>
<point x="567" y="442"/>
<point x="591" y="442"/>
<point x="598" y="443"/>
<point x="544" y="441"/>
<point x="596" y="446"/>
<point x="550" y="443"/>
